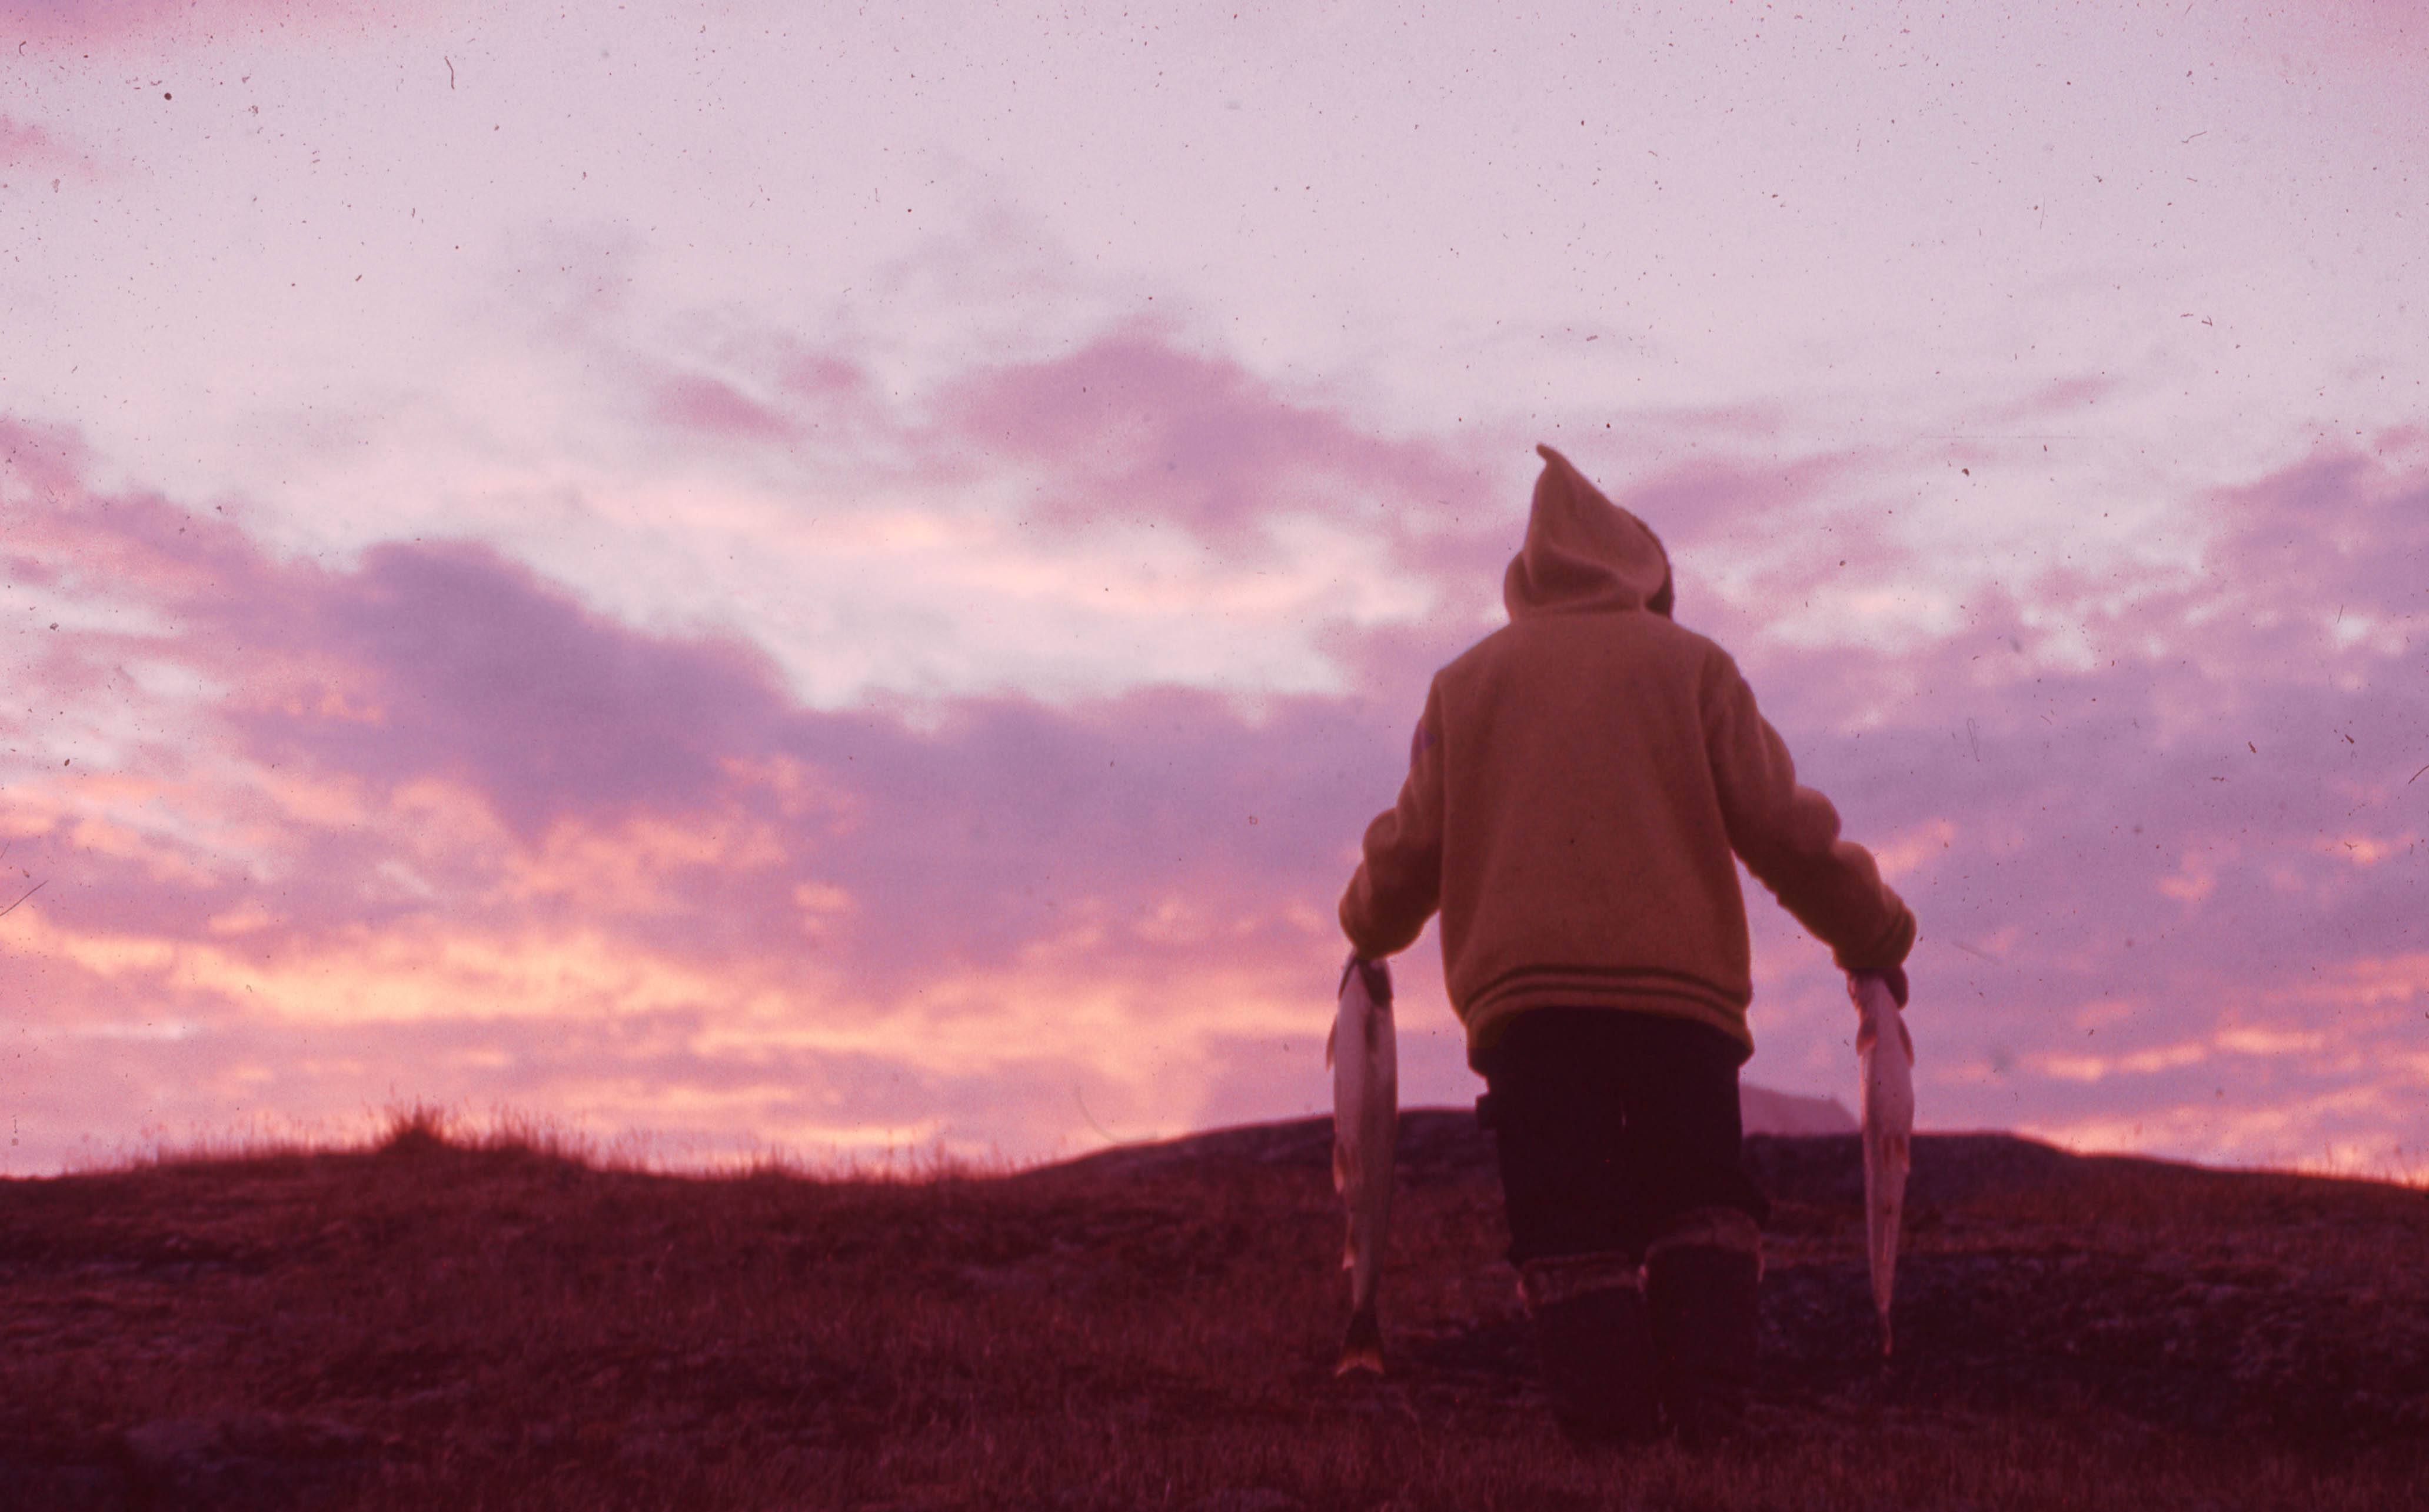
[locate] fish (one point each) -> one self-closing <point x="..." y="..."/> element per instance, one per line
<point x="1886" y="1052"/>
<point x="1363" y="1054"/>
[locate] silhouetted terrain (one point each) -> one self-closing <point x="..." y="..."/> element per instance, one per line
<point x="483" y="1322"/>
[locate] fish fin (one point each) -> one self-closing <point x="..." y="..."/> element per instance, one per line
<point x="1866" y="1032"/>
<point x="1345" y="1170"/>
<point x="1363" y="1348"/>
<point x="1329" y="1035"/>
<point x="1906" y="1041"/>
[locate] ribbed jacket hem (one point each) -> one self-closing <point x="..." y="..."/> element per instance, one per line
<point x="1489" y="1009"/>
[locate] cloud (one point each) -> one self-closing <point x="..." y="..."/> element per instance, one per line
<point x="101" y="23"/>
<point x="708" y="406"/>
<point x="447" y="662"/>
<point x="430" y="788"/>
<point x="911" y="532"/>
<point x="1129" y="428"/>
<point x="311" y="826"/>
<point x="2347" y="36"/>
<point x="28" y="147"/>
<point x="2155" y="833"/>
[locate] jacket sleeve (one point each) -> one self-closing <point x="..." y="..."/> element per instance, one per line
<point x="1398" y="884"/>
<point x="1787" y="835"/>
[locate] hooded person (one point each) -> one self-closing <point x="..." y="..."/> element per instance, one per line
<point x="1578" y="786"/>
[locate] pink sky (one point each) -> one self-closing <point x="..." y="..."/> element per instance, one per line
<point x="826" y="591"/>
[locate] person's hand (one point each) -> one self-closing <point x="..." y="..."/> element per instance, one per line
<point x="1378" y="976"/>
<point x="1893" y="979"/>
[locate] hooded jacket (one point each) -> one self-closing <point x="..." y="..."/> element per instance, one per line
<point x="1576" y="787"/>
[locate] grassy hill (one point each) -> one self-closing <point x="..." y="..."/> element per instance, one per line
<point x="488" y="1323"/>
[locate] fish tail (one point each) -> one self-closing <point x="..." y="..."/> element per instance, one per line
<point x="1362" y="1349"/>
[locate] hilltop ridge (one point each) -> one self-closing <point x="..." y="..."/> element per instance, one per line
<point x="1445" y="1144"/>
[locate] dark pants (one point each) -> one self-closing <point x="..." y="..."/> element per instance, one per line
<point x="1610" y="1124"/>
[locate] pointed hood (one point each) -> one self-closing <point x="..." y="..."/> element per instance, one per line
<point x="1583" y="552"/>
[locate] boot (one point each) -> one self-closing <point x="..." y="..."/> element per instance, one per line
<point x="1596" y="1347"/>
<point x="1700" y="1283"/>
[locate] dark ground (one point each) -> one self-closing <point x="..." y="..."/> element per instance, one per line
<point x="2229" y="1303"/>
<point x="443" y="1324"/>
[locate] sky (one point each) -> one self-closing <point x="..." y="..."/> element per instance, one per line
<point x="749" y="579"/>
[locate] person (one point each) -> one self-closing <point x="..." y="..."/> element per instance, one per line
<point x="1577" y="785"/>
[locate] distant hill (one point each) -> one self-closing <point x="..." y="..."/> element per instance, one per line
<point x="1444" y="1144"/>
<point x="1428" y="1135"/>
<point x="1765" y="1112"/>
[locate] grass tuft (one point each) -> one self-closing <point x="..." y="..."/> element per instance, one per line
<point x="422" y="1128"/>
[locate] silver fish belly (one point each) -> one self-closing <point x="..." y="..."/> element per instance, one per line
<point x="1363" y="1054"/>
<point x="1887" y="1053"/>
